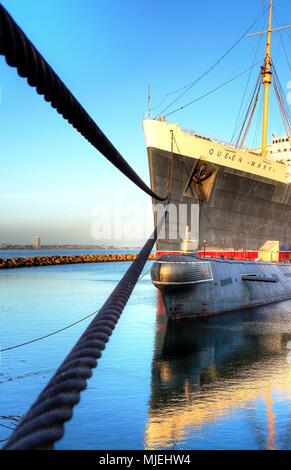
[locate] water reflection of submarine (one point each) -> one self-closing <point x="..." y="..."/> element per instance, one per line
<point x="201" y="358"/>
<point x="200" y="378"/>
<point x="195" y="287"/>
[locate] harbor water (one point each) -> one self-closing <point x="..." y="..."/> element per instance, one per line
<point x="217" y="383"/>
<point x="60" y="252"/>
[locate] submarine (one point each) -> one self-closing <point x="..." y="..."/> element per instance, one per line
<point x="193" y="286"/>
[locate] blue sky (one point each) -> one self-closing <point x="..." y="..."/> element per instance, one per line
<point x="107" y="52"/>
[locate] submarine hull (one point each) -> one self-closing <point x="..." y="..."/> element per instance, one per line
<point x="196" y="287"/>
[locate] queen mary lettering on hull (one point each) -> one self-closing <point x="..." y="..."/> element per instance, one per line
<point x="237" y="202"/>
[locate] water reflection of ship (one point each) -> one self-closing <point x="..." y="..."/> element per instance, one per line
<point x="227" y="365"/>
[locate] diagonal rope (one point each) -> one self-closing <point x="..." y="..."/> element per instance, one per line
<point x="20" y="53"/>
<point x="43" y="424"/>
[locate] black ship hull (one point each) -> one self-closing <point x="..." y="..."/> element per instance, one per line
<point x="241" y="210"/>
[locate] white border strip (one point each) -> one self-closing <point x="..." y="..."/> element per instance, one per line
<point x="182" y="262"/>
<point x="160" y="283"/>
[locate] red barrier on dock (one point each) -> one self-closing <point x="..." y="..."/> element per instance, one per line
<point x="238" y="255"/>
<point x="284" y="256"/>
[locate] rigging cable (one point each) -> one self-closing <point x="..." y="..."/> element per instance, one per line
<point x="21" y="53"/>
<point x="285" y="52"/>
<point x="239" y="117"/>
<point x="249" y="109"/>
<point x="281" y="102"/>
<point x="186" y="88"/>
<point x="285" y="121"/>
<point x="280" y="18"/>
<point x="251" y="116"/>
<point x="281" y="92"/>
<point x="212" y="91"/>
<point x="256" y="133"/>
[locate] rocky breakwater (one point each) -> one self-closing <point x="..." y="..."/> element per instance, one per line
<point x="33" y="261"/>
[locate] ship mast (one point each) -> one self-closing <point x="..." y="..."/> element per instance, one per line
<point x="267" y="80"/>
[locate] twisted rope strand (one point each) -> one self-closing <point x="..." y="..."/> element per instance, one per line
<point x="21" y="53"/>
<point x="43" y="424"/>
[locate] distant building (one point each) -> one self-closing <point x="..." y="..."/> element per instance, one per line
<point x="36" y="242"/>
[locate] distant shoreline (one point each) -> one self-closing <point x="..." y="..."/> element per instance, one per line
<point x="68" y="247"/>
<point x="36" y="261"/>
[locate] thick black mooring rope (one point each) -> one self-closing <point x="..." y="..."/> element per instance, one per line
<point x="20" y="53"/>
<point x="43" y="424"/>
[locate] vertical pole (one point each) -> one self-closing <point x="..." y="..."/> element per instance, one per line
<point x="186" y="239"/>
<point x="267" y="80"/>
<point x="149" y="101"/>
